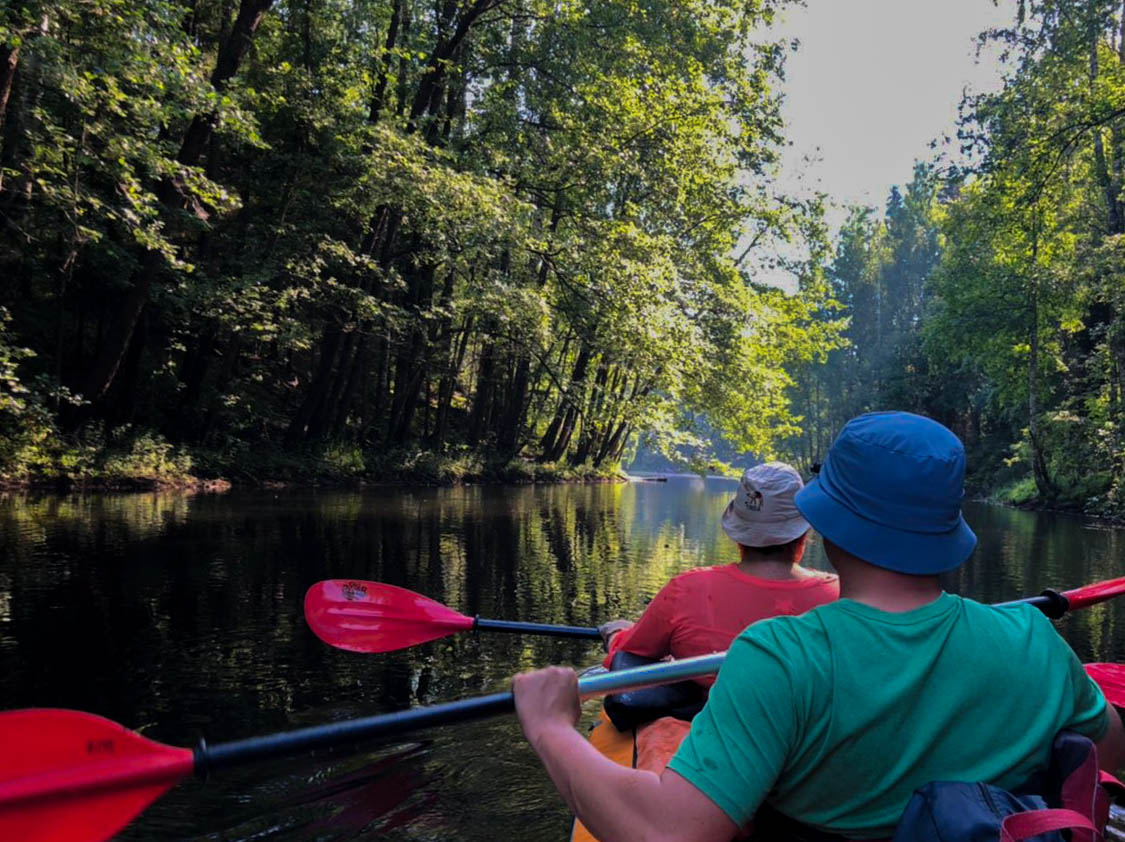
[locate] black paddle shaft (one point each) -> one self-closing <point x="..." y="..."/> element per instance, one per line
<point x="536" y="628"/>
<point x="223" y="755"/>
<point x="1050" y="602"/>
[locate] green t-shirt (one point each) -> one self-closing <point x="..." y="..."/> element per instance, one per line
<point x="837" y="716"/>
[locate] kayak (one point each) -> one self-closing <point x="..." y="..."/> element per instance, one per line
<point x="618" y="746"/>
<point x="640" y="729"/>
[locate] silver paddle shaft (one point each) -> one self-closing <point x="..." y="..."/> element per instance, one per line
<point x="650" y="675"/>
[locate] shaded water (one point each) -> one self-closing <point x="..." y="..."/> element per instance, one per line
<point x="181" y="616"/>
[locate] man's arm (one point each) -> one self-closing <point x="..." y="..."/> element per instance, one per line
<point x="651" y="635"/>
<point x="614" y="802"/>
<point x="1111" y="747"/>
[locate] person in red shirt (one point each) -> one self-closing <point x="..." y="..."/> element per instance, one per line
<point x="703" y="610"/>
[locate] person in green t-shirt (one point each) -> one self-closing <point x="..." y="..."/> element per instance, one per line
<point x="835" y="717"/>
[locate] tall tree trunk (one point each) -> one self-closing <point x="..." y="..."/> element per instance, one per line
<point x="428" y="95"/>
<point x="318" y="389"/>
<point x="449" y="383"/>
<point x="1043" y="482"/>
<point x="511" y="427"/>
<point x="337" y="425"/>
<point x="1101" y="169"/>
<point x="378" y="97"/>
<point x="321" y="425"/>
<point x="539" y="396"/>
<point x="18" y="199"/>
<point x="590" y="426"/>
<point x="611" y="444"/>
<point x="412" y="362"/>
<point x="484" y="398"/>
<point x="569" y="407"/>
<point x="9" y="60"/>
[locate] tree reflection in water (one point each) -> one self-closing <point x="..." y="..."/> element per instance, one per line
<point x="182" y="616"/>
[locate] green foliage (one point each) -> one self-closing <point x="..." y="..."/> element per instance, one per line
<point x="878" y="282"/>
<point x="505" y="228"/>
<point x="13" y="393"/>
<point x="1018" y="493"/>
<point x="993" y="298"/>
<point x="143" y="457"/>
<point x="94" y="457"/>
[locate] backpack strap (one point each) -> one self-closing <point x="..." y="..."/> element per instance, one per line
<point x="1020" y="826"/>
<point x="1074" y="768"/>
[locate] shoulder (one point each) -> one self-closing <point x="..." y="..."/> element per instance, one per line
<point x="790" y="653"/>
<point x="700" y="576"/>
<point x="1016" y="614"/>
<point x="792" y="637"/>
<point x="1019" y="620"/>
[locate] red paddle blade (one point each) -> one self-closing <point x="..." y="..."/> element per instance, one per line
<point x="372" y="617"/>
<point x="1097" y="592"/>
<point x="1111" y="678"/>
<point x="74" y="777"/>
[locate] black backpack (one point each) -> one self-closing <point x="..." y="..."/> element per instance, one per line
<point x="1073" y="799"/>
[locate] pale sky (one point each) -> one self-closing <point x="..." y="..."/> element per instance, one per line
<point x="873" y="82"/>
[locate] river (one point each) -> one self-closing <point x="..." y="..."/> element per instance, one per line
<point x="181" y="616"/>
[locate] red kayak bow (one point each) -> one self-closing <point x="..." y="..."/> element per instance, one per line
<point x="1111" y="679"/>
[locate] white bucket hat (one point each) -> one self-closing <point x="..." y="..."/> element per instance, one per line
<point x="762" y="513"/>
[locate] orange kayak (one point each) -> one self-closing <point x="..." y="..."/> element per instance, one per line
<point x="648" y="747"/>
<point x="618" y="746"/>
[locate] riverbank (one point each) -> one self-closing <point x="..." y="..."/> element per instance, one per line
<point x="1095" y="503"/>
<point x="146" y="462"/>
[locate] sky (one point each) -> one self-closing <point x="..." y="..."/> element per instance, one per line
<point x="873" y="83"/>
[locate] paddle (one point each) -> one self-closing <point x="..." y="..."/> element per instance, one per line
<point x="372" y="617"/>
<point x="71" y="777"/>
<point x="74" y="777"/>
<point x="1055" y="604"/>
<point x="363" y="616"/>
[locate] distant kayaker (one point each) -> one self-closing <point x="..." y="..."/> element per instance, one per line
<point x="833" y="718"/>
<point x="703" y="610"/>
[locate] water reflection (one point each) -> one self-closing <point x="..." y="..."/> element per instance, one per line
<point x="182" y="616"/>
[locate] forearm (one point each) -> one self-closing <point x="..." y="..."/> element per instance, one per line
<point x="1111" y="747"/>
<point x="614" y="802"/>
<point x="620" y="804"/>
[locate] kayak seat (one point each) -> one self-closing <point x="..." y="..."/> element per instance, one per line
<point x="636" y="707"/>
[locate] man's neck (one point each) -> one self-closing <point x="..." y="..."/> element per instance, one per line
<point x="772" y="569"/>
<point x="885" y="590"/>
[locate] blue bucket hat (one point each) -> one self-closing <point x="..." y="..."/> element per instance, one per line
<point x="890" y="492"/>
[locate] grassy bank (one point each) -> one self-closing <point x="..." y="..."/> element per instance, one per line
<point x="126" y="460"/>
<point x="1095" y="496"/>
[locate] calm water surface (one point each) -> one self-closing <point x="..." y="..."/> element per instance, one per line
<point x="181" y="616"/>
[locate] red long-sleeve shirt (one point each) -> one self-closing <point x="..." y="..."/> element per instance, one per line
<point x="703" y="610"/>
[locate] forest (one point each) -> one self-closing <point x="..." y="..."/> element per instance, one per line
<point x="315" y="239"/>
<point x="990" y="294"/>
<point x="325" y="240"/>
